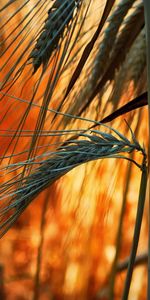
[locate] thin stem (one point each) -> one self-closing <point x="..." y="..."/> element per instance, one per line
<point x="40" y="248"/>
<point x="119" y="236"/>
<point x="147" y="26"/>
<point x="139" y="216"/>
<point x="121" y="219"/>
<point x="147" y="23"/>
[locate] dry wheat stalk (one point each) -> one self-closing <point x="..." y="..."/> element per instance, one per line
<point x="137" y="57"/>
<point x="132" y="68"/>
<point x="129" y="25"/>
<point x="59" y="17"/>
<point x="124" y="41"/>
<point x="110" y="34"/>
<point x="2" y="39"/>
<point x="17" y="193"/>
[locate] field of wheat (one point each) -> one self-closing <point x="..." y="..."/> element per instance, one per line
<point x="74" y="211"/>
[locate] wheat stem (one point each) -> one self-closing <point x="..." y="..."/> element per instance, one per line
<point x="121" y="219"/>
<point x="147" y="25"/>
<point x="40" y="248"/>
<point x="139" y="215"/>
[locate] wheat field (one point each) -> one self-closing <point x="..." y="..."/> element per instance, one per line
<point x="74" y="207"/>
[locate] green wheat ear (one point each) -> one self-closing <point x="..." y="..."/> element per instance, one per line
<point x="52" y="165"/>
<point x="59" y="16"/>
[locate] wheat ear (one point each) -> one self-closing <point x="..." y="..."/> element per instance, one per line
<point x="137" y="57"/>
<point x="92" y="146"/>
<point x="129" y="25"/>
<point x="110" y="34"/>
<point x="122" y="45"/>
<point x="59" y="17"/>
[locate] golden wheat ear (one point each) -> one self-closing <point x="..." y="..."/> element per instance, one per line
<point x="132" y="27"/>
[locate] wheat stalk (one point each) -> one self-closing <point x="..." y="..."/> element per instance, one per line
<point x="137" y="229"/>
<point x="147" y="26"/>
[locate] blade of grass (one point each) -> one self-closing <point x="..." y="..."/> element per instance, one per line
<point x="138" y="102"/>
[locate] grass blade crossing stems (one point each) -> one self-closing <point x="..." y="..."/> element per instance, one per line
<point x="137" y="229"/>
<point x="147" y="25"/>
<point x="140" y="259"/>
